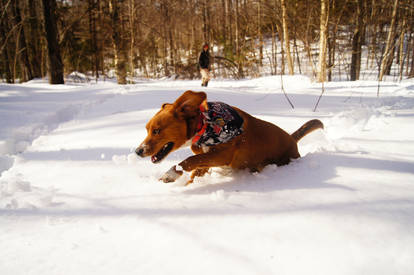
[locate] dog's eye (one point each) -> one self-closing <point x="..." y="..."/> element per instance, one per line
<point x="156" y="131"/>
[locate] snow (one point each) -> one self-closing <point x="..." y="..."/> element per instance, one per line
<point x="75" y="199"/>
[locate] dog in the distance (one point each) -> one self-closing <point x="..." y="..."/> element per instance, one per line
<point x="220" y="135"/>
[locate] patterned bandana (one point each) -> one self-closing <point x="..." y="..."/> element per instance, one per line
<point x="218" y="124"/>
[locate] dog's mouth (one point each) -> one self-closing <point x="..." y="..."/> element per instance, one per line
<point x="165" y="150"/>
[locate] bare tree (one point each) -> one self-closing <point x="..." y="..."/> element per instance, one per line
<point x="323" y="37"/>
<point x="21" y="44"/>
<point x="259" y="31"/>
<point x="286" y="37"/>
<point x="118" y="41"/>
<point x="93" y="36"/>
<point x="34" y="44"/>
<point x="159" y="37"/>
<point x="55" y="59"/>
<point x="5" y="44"/>
<point x="389" y="48"/>
<point x="357" y="41"/>
<point x="411" y="73"/>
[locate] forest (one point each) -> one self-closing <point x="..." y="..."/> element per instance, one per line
<point x="324" y="39"/>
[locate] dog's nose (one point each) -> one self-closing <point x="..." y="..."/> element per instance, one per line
<point x="140" y="151"/>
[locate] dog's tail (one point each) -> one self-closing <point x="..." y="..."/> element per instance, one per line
<point x="306" y="128"/>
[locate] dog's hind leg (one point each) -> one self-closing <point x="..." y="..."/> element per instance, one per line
<point x="199" y="172"/>
<point x="293" y="153"/>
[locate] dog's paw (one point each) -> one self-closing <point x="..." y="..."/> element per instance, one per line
<point x="171" y="175"/>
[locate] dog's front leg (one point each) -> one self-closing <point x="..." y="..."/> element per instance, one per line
<point x="172" y="174"/>
<point x="200" y="163"/>
<point x="199" y="172"/>
<point x="217" y="156"/>
<point x="214" y="156"/>
<point x="176" y="171"/>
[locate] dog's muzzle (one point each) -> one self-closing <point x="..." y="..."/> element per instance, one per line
<point x="140" y="151"/>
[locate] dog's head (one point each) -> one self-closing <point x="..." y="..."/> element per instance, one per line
<point x="172" y="126"/>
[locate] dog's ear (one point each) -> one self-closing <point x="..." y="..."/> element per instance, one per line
<point x="188" y="104"/>
<point x="165" y="104"/>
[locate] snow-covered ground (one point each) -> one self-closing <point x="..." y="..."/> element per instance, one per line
<point x="74" y="199"/>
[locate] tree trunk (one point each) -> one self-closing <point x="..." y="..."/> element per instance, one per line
<point x="274" y="51"/>
<point x="230" y="46"/>
<point x="282" y="50"/>
<point x="401" y="50"/>
<point x="373" y="41"/>
<point x="92" y="32"/>
<point x="323" y="41"/>
<point x="392" y="54"/>
<point x="295" y="46"/>
<point x="205" y="22"/>
<point x="389" y="48"/>
<point x="239" y="56"/>
<point x="295" y="37"/>
<point x="331" y="54"/>
<point x="412" y="57"/>
<point x="33" y="41"/>
<point x="26" y="73"/>
<point x="259" y="31"/>
<point x="5" y="48"/>
<point x="101" y="44"/>
<point x="224" y="21"/>
<point x="171" y="45"/>
<point x="119" y="42"/>
<point x="306" y="41"/>
<point x="55" y="59"/>
<point x="357" y="42"/>
<point x="286" y="37"/>
<point x="236" y="25"/>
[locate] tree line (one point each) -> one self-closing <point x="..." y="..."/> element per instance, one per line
<point x="157" y="38"/>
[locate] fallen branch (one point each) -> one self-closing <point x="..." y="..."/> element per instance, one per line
<point x="284" y="92"/>
<point x="319" y="99"/>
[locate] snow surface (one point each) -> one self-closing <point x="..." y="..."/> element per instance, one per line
<point x="74" y="199"/>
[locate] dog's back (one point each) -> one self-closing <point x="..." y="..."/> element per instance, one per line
<point x="262" y="143"/>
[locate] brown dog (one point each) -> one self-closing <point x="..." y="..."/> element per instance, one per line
<point x="221" y="136"/>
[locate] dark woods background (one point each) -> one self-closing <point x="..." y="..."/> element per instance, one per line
<point x="156" y="38"/>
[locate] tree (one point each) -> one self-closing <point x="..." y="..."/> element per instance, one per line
<point x="411" y="73"/>
<point x="286" y="37"/>
<point x="93" y="36"/>
<point x="357" y="41"/>
<point x="55" y="59"/>
<point x="159" y="37"/>
<point x="389" y="48"/>
<point x="33" y="41"/>
<point x="5" y="45"/>
<point x="323" y="36"/>
<point x="119" y="42"/>
<point x="21" y="43"/>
